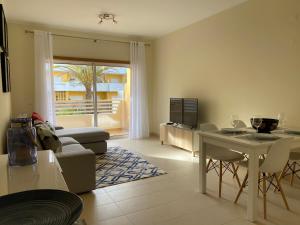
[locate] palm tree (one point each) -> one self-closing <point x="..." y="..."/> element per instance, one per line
<point x="84" y="74"/>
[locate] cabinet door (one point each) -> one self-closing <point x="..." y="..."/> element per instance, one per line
<point x="188" y="140"/>
<point x="176" y="136"/>
<point x="170" y="136"/>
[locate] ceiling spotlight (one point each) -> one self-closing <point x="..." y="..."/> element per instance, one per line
<point x="107" y="16"/>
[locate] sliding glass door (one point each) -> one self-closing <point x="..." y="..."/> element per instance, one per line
<point x="90" y="95"/>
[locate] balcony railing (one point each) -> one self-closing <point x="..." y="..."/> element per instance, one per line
<point x="69" y="86"/>
<point x="76" y="107"/>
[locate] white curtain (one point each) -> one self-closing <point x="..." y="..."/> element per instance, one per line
<point x="139" y="122"/>
<point x="43" y="61"/>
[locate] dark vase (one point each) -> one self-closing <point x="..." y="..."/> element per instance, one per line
<point x="21" y="146"/>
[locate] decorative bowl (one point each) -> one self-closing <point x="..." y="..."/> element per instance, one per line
<point x="267" y="125"/>
<point x="40" y="207"/>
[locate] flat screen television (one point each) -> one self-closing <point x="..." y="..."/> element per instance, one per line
<point x="184" y="111"/>
<point x="190" y="112"/>
<point x="176" y="105"/>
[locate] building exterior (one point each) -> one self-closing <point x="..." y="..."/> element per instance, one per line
<point x="110" y="86"/>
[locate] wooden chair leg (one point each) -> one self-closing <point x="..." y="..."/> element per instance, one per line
<point x="265" y="195"/>
<point x="293" y="173"/>
<point x="220" y="179"/>
<point x="281" y="192"/>
<point x="282" y="174"/>
<point x="235" y="175"/>
<point x="259" y="175"/>
<point x="241" y="188"/>
<point x="236" y="169"/>
<point x="283" y="171"/>
<point x="208" y="164"/>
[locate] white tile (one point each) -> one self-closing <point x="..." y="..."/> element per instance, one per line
<point x="157" y="214"/>
<point x="96" y="213"/>
<point x="151" y="200"/>
<point x="122" y="220"/>
<point x="96" y="198"/>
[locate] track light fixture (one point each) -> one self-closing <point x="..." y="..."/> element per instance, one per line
<point x="107" y="16"/>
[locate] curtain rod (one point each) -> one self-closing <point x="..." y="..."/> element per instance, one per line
<point x="85" y="38"/>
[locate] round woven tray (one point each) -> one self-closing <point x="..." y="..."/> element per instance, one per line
<point x="40" y="207"/>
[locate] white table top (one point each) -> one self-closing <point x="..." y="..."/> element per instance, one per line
<point x="45" y="174"/>
<point x="241" y="139"/>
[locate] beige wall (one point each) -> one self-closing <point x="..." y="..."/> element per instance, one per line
<point x="22" y="58"/>
<point x="242" y="61"/>
<point x="5" y="104"/>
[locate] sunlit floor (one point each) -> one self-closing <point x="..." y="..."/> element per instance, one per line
<point x="173" y="199"/>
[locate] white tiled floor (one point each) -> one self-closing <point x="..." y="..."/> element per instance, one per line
<point x="173" y="199"/>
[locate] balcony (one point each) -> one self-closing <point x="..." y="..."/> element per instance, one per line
<point x="111" y="114"/>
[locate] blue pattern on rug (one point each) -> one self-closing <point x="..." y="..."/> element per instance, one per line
<point x="119" y="165"/>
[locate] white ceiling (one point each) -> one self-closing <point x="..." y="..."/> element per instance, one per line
<point x="146" y="18"/>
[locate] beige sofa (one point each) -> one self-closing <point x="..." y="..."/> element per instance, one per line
<point x="77" y="160"/>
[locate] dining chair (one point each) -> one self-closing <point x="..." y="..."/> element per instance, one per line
<point x="221" y="159"/>
<point x="275" y="160"/>
<point x="292" y="167"/>
<point x="239" y="124"/>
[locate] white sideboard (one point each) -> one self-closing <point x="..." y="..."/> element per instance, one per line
<point x="45" y="174"/>
<point x="181" y="137"/>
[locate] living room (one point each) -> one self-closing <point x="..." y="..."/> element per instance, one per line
<point x="237" y="60"/>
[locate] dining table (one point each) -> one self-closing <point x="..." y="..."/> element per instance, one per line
<point x="247" y="143"/>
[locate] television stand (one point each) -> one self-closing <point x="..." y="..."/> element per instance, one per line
<point x="179" y="136"/>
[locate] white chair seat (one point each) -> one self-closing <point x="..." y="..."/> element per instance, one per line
<point x="223" y="154"/>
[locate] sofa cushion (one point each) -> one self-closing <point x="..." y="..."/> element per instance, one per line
<point x="47" y="138"/>
<point x="67" y="141"/>
<point x="84" y="135"/>
<point x="73" y="147"/>
<point x="97" y="147"/>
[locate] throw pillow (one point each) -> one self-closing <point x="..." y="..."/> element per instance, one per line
<point x="47" y="137"/>
<point x="37" y="116"/>
<point x="46" y="123"/>
<point x="51" y="127"/>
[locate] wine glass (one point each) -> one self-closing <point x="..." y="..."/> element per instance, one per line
<point x="234" y="119"/>
<point x="282" y="119"/>
<point x="256" y="122"/>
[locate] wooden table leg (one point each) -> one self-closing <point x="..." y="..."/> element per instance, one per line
<point x="252" y="203"/>
<point x="202" y="166"/>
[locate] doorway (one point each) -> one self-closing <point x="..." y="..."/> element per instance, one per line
<point x="92" y="95"/>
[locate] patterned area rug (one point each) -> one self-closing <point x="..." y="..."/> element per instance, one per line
<point x="119" y="165"/>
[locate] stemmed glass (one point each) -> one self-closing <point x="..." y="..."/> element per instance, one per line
<point x="256" y="122"/>
<point x="282" y="119"/>
<point x="234" y="120"/>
